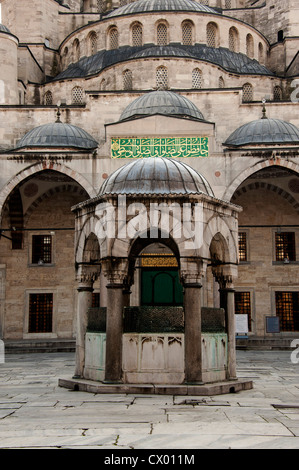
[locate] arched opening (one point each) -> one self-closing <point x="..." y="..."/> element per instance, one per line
<point x="267" y="284"/>
<point x="37" y="244"/>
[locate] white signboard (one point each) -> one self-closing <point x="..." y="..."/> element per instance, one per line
<point x="241" y="324"/>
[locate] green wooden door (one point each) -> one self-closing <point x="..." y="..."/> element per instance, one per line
<point x="161" y="287"/>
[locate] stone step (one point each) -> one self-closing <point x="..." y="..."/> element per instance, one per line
<point x="37" y="346"/>
<point x="265" y="343"/>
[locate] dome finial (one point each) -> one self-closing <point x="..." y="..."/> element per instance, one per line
<point x="264" y="109"/>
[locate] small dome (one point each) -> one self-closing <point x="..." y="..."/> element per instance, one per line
<point x="56" y="135"/>
<point x="264" y="131"/>
<point x="155" y="176"/>
<point x="4" y="29"/>
<point x="144" y="6"/>
<point x="161" y="102"/>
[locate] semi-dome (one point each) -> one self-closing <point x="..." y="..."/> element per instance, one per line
<point x="264" y="131"/>
<point x="163" y="102"/>
<point x="155" y="176"/>
<point x="145" y="6"/>
<point x="57" y="135"/>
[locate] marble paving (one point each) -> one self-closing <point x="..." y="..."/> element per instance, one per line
<point x="36" y="413"/>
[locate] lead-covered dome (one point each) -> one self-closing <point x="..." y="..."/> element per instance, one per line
<point x="146" y="6"/>
<point x="155" y="176"/>
<point x="264" y="131"/>
<point x="58" y="135"/>
<point x="163" y="102"/>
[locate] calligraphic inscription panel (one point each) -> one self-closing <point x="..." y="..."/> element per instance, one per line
<point x="171" y="147"/>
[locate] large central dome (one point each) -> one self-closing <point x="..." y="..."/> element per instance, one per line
<point x="155" y="176"/>
<point x="146" y="6"/>
<point x="162" y="102"/>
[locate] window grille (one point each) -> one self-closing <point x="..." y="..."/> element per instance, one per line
<point x="287" y="309"/>
<point x="243" y="305"/>
<point x="162" y="78"/>
<point x="211" y="35"/>
<point x="100" y="6"/>
<point x="221" y="82"/>
<point x="77" y="95"/>
<point x="196" y="78"/>
<point x="137" y="35"/>
<point x="127" y="80"/>
<point x="48" y="98"/>
<point x="93" y="43"/>
<point x="41" y="249"/>
<point x="187" y="33"/>
<point x="242" y="246"/>
<point x="162" y="35"/>
<point x="277" y="93"/>
<point x="247" y="93"/>
<point x="233" y="40"/>
<point x="123" y="3"/>
<point x="249" y="46"/>
<point x="113" y="38"/>
<point x="205" y="2"/>
<point x="228" y="4"/>
<point x="40" y="313"/>
<point x="285" y="246"/>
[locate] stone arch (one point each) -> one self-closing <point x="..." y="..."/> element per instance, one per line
<point x="88" y="228"/>
<point x="59" y="189"/>
<point x="218" y="227"/>
<point x="270" y="187"/>
<point x="254" y="169"/>
<point x="35" y="168"/>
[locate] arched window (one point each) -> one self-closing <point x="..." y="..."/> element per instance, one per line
<point x="212" y="35"/>
<point x="247" y="93"/>
<point x="187" y="33"/>
<point x="65" y="57"/>
<point x="233" y="39"/>
<point x="249" y="46"/>
<point x="277" y="93"/>
<point x="162" y="39"/>
<point x="103" y="84"/>
<point x="221" y="83"/>
<point x="162" y="78"/>
<point x="76" y="50"/>
<point x="127" y="80"/>
<point x="196" y="78"/>
<point x="92" y="43"/>
<point x="137" y="35"/>
<point x="113" y="38"/>
<point x="48" y="98"/>
<point x="77" y="95"/>
<point x="261" y="53"/>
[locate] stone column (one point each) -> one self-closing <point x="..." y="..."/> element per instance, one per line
<point x="227" y="302"/>
<point x="84" y="302"/>
<point x="103" y="290"/>
<point x="114" y="329"/>
<point x="193" y="352"/>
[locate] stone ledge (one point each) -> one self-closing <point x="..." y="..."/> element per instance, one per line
<point x="219" y="388"/>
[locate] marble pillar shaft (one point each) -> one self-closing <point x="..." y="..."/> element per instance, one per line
<point x="84" y="302"/>
<point x="193" y="353"/>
